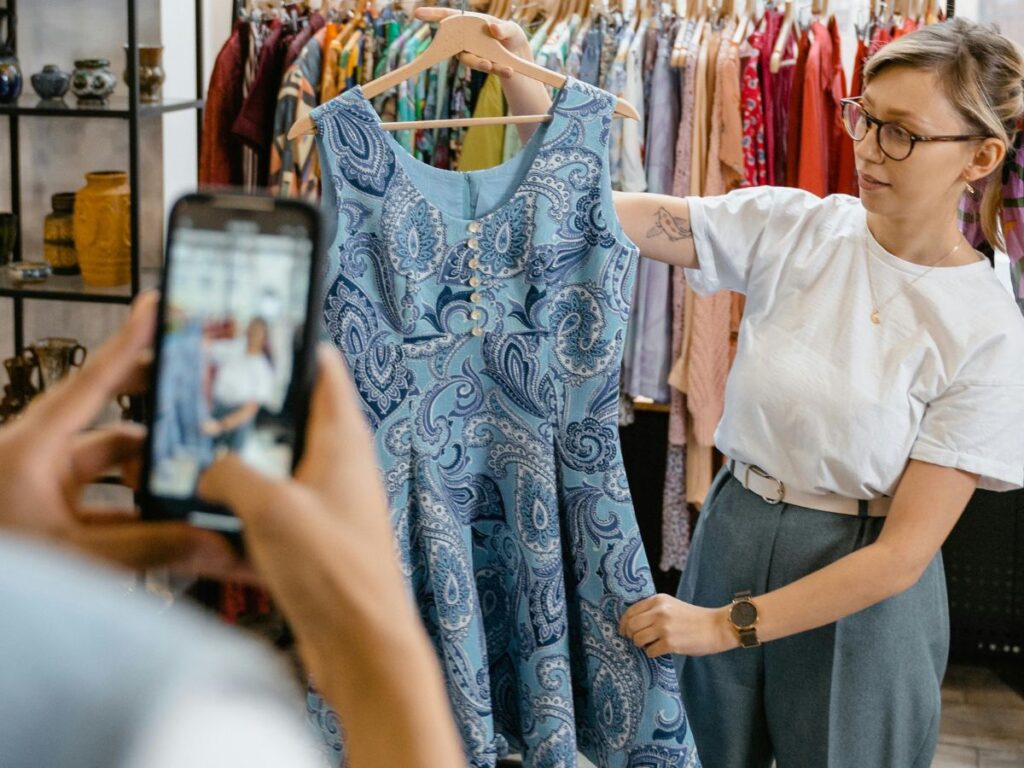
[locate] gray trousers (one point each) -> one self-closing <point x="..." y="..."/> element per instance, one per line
<point x="860" y="693"/>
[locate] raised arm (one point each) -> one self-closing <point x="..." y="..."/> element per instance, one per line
<point x="659" y="225"/>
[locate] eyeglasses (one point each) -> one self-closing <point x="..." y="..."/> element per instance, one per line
<point x="895" y="141"/>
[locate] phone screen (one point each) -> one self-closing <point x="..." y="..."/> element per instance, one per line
<point x="232" y="346"/>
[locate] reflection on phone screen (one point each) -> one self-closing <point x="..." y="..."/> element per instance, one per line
<point x="232" y="331"/>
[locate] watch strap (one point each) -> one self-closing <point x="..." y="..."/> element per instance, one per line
<point x="748" y="638"/>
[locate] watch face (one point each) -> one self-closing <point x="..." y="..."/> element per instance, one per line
<point x="744" y="614"/>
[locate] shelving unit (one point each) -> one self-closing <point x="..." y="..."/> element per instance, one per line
<point x="129" y="108"/>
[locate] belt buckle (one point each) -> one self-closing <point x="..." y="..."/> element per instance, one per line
<point x="762" y="474"/>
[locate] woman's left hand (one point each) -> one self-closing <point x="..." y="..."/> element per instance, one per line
<point x="662" y="624"/>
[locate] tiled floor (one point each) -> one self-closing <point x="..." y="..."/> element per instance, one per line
<point x="982" y="721"/>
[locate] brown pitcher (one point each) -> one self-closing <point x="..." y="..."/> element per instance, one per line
<point x="55" y="356"/>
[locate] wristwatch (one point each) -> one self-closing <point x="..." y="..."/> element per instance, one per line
<point x="743" y="617"/>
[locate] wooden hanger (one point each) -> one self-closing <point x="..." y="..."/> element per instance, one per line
<point x="743" y="20"/>
<point x="788" y="20"/>
<point x="457" y="34"/>
<point x="698" y="32"/>
<point x="677" y="58"/>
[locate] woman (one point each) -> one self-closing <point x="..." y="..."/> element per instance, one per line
<point x="879" y="380"/>
<point x="244" y="382"/>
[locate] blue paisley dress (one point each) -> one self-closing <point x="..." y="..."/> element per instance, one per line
<point x="482" y="315"/>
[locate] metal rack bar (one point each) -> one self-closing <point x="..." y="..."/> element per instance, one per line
<point x="200" y="75"/>
<point x="133" y="141"/>
<point x="15" y="150"/>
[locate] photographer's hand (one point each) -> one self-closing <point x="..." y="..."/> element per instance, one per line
<point x="48" y="455"/>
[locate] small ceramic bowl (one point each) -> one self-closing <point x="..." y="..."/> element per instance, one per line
<point x="28" y="271"/>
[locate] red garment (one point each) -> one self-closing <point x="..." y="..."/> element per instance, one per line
<point x="910" y="25"/>
<point x="782" y="87"/>
<point x="220" y="154"/>
<point x="772" y="20"/>
<point x="824" y="85"/>
<point x="879" y="40"/>
<point x="755" y="160"/>
<point x="857" y="82"/>
<point x="796" y="109"/>
<point x="815" y="126"/>
<point x="842" y="170"/>
<point x="255" y="121"/>
<point x="847" y="166"/>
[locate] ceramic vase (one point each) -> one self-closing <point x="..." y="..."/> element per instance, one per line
<point x="52" y="82"/>
<point x="92" y="80"/>
<point x="151" y="72"/>
<point x="10" y="69"/>
<point x="17" y="394"/>
<point x="55" y="356"/>
<point x="102" y="224"/>
<point x="59" y="235"/>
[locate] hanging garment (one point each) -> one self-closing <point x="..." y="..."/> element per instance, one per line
<point x="818" y="163"/>
<point x="482" y="144"/>
<point x="482" y="316"/>
<point x="293" y="162"/>
<point x="754" y="152"/>
<point x="649" y="339"/>
<point x="258" y="32"/>
<point x="675" y="513"/>
<point x="255" y="121"/>
<point x="220" y="159"/>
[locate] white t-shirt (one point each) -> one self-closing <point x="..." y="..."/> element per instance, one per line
<point x="242" y="378"/>
<point x="823" y="399"/>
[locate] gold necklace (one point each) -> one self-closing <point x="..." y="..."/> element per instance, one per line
<point x="876" y="311"/>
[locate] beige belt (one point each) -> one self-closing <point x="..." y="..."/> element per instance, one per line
<point x="774" y="491"/>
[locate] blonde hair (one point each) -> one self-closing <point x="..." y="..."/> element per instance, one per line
<point x="982" y="74"/>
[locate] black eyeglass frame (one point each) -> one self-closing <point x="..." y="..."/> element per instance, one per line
<point x="879" y="124"/>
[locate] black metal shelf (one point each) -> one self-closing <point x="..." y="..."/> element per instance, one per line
<point x="72" y="288"/>
<point x="116" y="107"/>
<point x="119" y="106"/>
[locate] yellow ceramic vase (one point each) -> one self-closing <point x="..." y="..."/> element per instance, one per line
<point x="103" y="229"/>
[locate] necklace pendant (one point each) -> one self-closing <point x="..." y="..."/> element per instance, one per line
<point x="875" y="317"/>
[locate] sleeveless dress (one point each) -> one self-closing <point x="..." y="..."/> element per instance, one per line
<point x="482" y="316"/>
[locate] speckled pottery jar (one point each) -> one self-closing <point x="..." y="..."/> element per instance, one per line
<point x="151" y="72"/>
<point x="51" y="83"/>
<point x="92" y="80"/>
<point x="59" y="235"/>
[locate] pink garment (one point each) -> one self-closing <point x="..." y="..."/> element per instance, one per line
<point x="708" y="365"/>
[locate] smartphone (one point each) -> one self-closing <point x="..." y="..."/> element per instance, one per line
<point x="234" y="350"/>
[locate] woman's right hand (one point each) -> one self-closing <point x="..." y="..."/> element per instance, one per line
<point x="508" y="33"/>
<point x="525" y="96"/>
